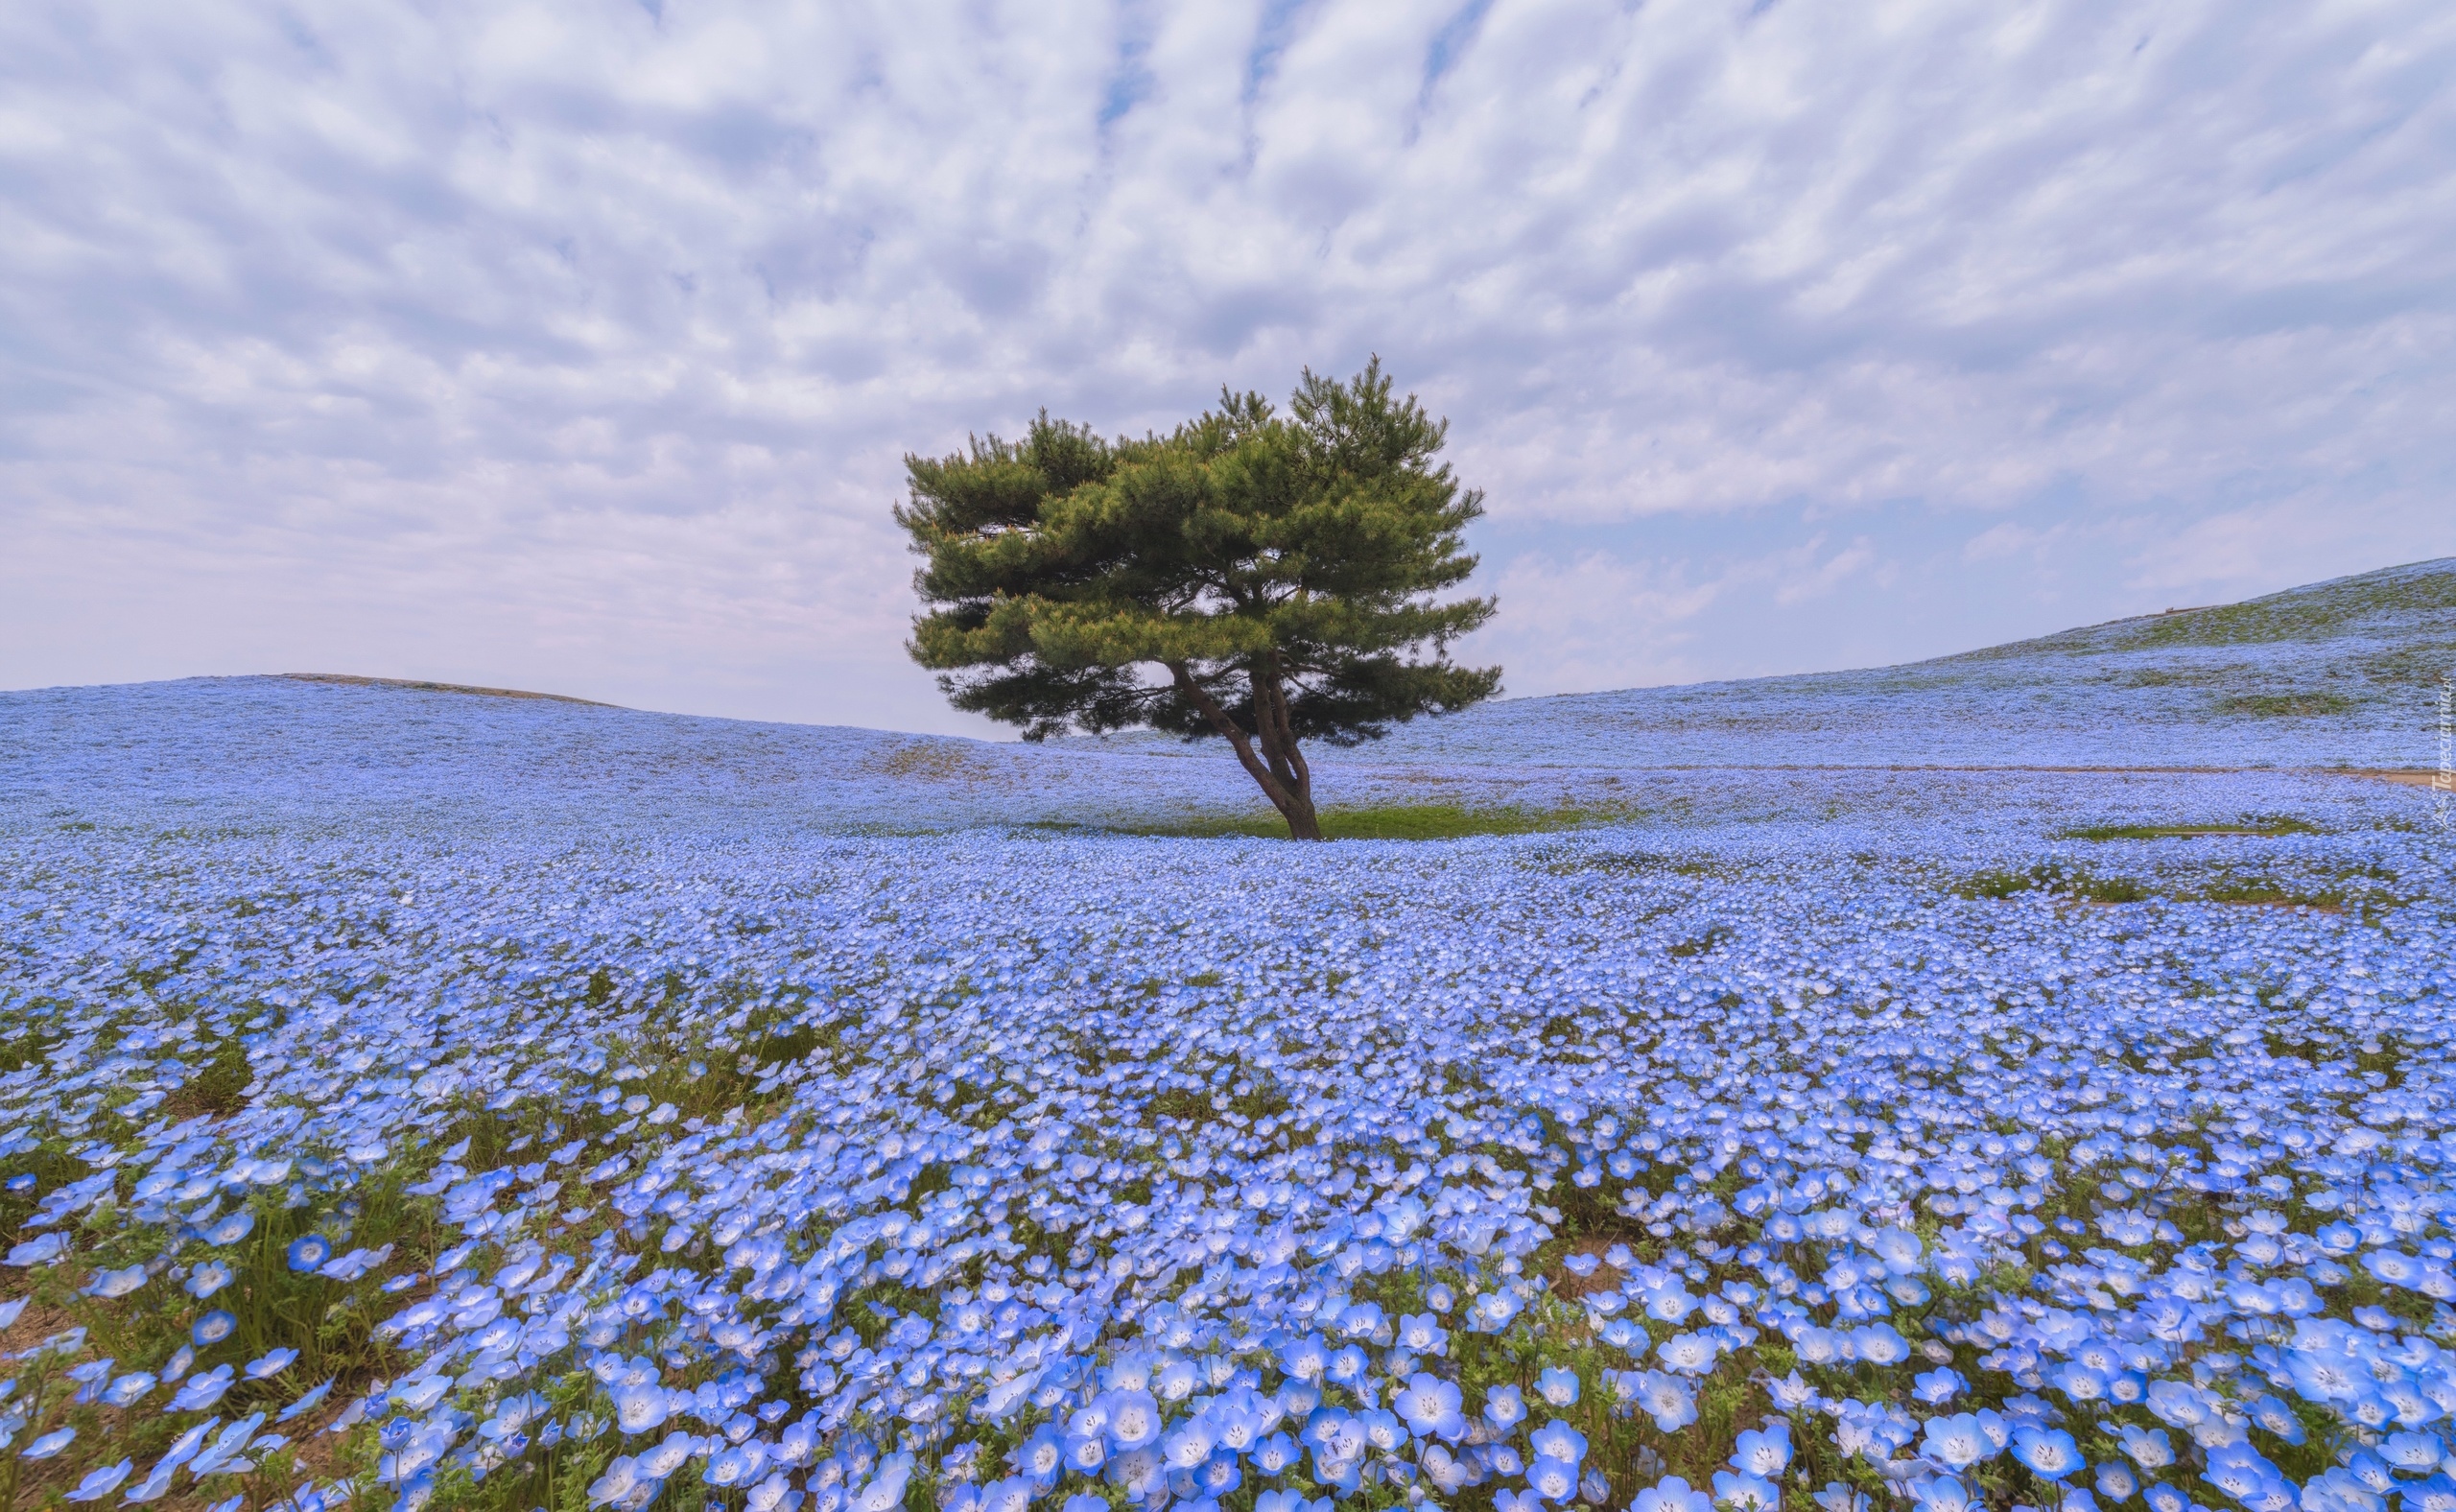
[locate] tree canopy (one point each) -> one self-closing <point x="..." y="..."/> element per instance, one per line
<point x="1266" y="580"/>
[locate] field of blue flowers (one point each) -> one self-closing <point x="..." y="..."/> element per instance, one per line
<point x="1856" y="1140"/>
<point x="2335" y="674"/>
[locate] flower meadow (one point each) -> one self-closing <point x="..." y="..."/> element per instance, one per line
<point x="1841" y="1141"/>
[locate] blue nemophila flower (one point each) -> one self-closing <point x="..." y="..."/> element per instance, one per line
<point x="614" y="1487"/>
<point x="2411" y="1451"/>
<point x="1085" y="1454"/>
<point x="1382" y="1430"/>
<point x="182" y="1449"/>
<point x="1133" y="1418"/>
<point x="1879" y="1344"/>
<point x="1672" y="1494"/>
<point x="214" y="1327"/>
<point x="2238" y="1470"/>
<point x="885" y="1489"/>
<point x="1746" y="1492"/>
<point x="2048" y="1453"/>
<point x="208" y="1278"/>
<point x="775" y="1494"/>
<point x="270" y="1363"/>
<point x="202" y="1390"/>
<point x="39" y="1251"/>
<point x="735" y="1464"/>
<point x="1503" y="1408"/>
<point x="2433" y="1494"/>
<point x="1557" y="1386"/>
<point x="1188" y="1443"/>
<point x="1494" y="1311"/>
<point x="1275" y="1454"/>
<point x="419" y="1393"/>
<point x="229" y="1228"/>
<point x="1305" y="1358"/>
<point x="1956" y="1441"/>
<point x="1666" y="1399"/>
<point x="101" y="1482"/>
<point x="671" y="1453"/>
<point x="1431" y="1407"/>
<point x="2179" y="1403"/>
<point x="1041" y="1458"/>
<point x="1557" y="1440"/>
<point x="115" y="1284"/>
<point x="1944" y="1494"/>
<point x="1551" y="1479"/>
<point x="2148" y="1447"/>
<point x="1764" y="1451"/>
<point x="309" y="1251"/>
<point x="223" y="1451"/>
<point x="1690" y="1353"/>
<point x="49" y="1444"/>
<point x="306" y="1403"/>
<point x="639" y="1409"/>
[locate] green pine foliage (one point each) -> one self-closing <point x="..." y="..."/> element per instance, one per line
<point x="1265" y="579"/>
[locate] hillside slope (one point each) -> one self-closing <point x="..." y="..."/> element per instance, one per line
<point x="2339" y="673"/>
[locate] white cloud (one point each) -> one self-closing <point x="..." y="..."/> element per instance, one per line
<point x="2008" y="539"/>
<point x="576" y="344"/>
<point x="1601" y="620"/>
<point x="1805" y="578"/>
<point x="1596" y="622"/>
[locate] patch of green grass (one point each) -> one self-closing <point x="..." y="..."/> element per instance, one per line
<point x="2284" y="705"/>
<point x="2053" y="879"/>
<point x="2214" y="886"/>
<point x="1702" y="944"/>
<point x="1397" y="821"/>
<point x="2265" y="828"/>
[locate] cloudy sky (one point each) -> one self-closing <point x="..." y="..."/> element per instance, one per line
<point x="575" y="346"/>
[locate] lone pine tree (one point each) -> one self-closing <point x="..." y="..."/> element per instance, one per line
<point x="1266" y="580"/>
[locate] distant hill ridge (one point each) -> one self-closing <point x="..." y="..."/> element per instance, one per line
<point x="2410" y="611"/>
<point x="417" y="685"/>
<point x="2337" y="675"/>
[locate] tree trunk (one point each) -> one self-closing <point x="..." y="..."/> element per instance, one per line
<point x="1302" y="824"/>
<point x="1278" y="770"/>
<point x="1287" y="761"/>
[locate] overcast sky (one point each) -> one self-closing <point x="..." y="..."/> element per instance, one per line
<point x="574" y="346"/>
